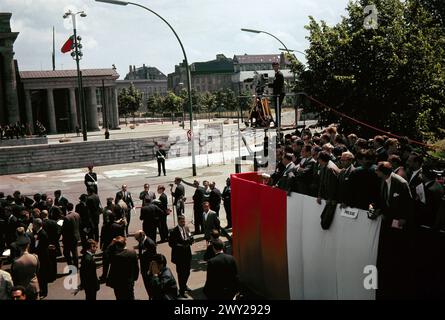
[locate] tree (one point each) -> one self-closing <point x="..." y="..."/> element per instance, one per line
<point x="154" y="103"/>
<point x="130" y="100"/>
<point x="391" y="77"/>
<point x="172" y="103"/>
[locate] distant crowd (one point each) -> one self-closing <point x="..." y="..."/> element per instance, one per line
<point x="20" y="130"/>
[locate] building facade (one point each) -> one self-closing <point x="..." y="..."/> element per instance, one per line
<point x="9" y="102"/>
<point x="208" y="76"/>
<point x="51" y="97"/>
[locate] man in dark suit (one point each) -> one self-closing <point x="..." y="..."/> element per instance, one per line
<point x="215" y="198"/>
<point x="285" y="180"/>
<point x="198" y="199"/>
<point x="278" y="92"/>
<point x="210" y="219"/>
<point x="414" y="163"/>
<point x="128" y="199"/>
<point x="160" y="157"/>
<point x="91" y="180"/>
<point x="146" y="253"/>
<point x="88" y="275"/>
<point x="222" y="275"/>
<point x="87" y="225"/>
<point x="60" y="200"/>
<point x="124" y="270"/>
<point x="180" y="241"/>
<point x="226" y="196"/>
<point x="178" y="196"/>
<point x="146" y="196"/>
<point x="393" y="262"/>
<point x="150" y="217"/>
<point x="94" y="209"/>
<point x="163" y="204"/>
<point x="71" y="236"/>
<point x="304" y="171"/>
<point x="39" y="246"/>
<point x="344" y="184"/>
<point x="54" y="231"/>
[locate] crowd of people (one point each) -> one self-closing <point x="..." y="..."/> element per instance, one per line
<point x="387" y="177"/>
<point x="37" y="230"/>
<point x="20" y="130"/>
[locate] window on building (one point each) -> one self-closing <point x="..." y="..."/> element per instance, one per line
<point x="99" y="96"/>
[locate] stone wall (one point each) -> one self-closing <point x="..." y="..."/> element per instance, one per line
<point x="75" y="155"/>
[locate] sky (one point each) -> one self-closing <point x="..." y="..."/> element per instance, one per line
<point x="129" y="35"/>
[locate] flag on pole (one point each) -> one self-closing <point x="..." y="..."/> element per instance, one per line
<point x="68" y="45"/>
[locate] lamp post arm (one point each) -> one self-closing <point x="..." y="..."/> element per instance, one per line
<point x="270" y="34"/>
<point x="189" y="82"/>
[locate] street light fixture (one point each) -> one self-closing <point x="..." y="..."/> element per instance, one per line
<point x="77" y="55"/>
<point x="189" y="82"/>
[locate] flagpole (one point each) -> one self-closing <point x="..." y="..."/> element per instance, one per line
<point x="54" y="51"/>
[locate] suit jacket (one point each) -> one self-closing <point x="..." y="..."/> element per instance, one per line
<point x="365" y="187"/>
<point x="181" y="250"/>
<point x="124" y="269"/>
<point x="88" y="275"/>
<point x="39" y="246"/>
<point x="328" y="188"/>
<point x="53" y="230"/>
<point x="198" y="198"/>
<point x="278" y="84"/>
<point x="211" y="223"/>
<point x="179" y="193"/>
<point x="150" y="214"/>
<point x="163" y="287"/>
<point x="147" y="197"/>
<point x="398" y="204"/>
<point x="428" y="213"/>
<point x="215" y="199"/>
<point x="414" y="181"/>
<point x="302" y="179"/>
<point x="128" y="199"/>
<point x="84" y="213"/>
<point x="70" y="228"/>
<point x="222" y="277"/>
<point x="344" y="185"/>
<point x="286" y="178"/>
<point x="94" y="207"/>
<point x="164" y="202"/>
<point x="24" y="272"/>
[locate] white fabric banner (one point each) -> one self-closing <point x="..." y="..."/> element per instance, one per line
<point x="329" y="264"/>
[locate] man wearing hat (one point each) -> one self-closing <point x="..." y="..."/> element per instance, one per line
<point x="160" y="157"/>
<point x="91" y="179"/>
<point x="278" y="92"/>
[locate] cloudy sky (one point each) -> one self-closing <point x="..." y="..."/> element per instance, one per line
<point x="124" y="35"/>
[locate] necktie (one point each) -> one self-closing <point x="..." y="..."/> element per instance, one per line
<point x="184" y="234"/>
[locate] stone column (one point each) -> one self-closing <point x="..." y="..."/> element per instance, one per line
<point x="114" y="107"/>
<point x="92" y="121"/>
<point x="28" y="109"/>
<point x="73" y="109"/>
<point x="51" y="111"/>
<point x="12" y="102"/>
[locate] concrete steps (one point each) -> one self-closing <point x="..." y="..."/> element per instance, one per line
<point x="75" y="155"/>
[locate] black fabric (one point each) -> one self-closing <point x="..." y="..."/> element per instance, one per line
<point x="327" y="216"/>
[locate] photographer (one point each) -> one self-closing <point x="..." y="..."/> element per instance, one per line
<point x="180" y="242"/>
<point x="178" y="195"/>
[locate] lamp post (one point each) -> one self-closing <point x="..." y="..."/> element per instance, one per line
<point x="77" y="55"/>
<point x="189" y="82"/>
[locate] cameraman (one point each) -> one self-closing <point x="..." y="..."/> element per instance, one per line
<point x="178" y="195"/>
<point x="180" y="241"/>
<point x="278" y="92"/>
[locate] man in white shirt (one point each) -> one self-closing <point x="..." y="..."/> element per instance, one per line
<point x="210" y="220"/>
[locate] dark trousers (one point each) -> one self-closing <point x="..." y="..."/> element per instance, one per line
<point x="125" y="293"/>
<point x="183" y="271"/>
<point x="228" y="215"/>
<point x="278" y="102"/>
<point x="70" y="253"/>
<point x="128" y="218"/>
<point x="43" y="284"/>
<point x="150" y="230"/>
<point x="161" y="163"/>
<point x="90" y="293"/>
<point x="52" y="269"/>
<point x="163" y="229"/>
<point x="197" y="216"/>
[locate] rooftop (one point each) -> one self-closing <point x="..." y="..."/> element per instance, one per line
<point x="68" y="73"/>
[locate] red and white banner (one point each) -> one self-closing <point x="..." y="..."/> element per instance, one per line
<point x="283" y="253"/>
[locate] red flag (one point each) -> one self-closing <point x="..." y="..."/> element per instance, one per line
<point x="68" y="45"/>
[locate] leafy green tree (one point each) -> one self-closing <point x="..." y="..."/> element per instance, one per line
<point x="172" y="103"/>
<point x="130" y="100"/>
<point x="391" y="77"/>
<point x="154" y="103"/>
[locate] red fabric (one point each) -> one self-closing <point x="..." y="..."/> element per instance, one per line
<point x="68" y="45"/>
<point x="259" y="235"/>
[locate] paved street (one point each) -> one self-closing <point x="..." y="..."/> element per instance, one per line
<point x="110" y="180"/>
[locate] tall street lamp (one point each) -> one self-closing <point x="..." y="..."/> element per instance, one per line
<point x="77" y="55"/>
<point x="189" y="82"/>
